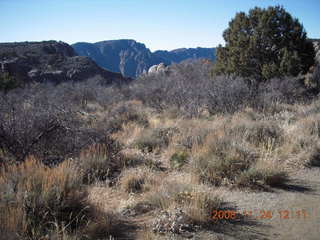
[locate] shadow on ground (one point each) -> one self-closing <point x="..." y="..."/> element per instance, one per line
<point x="296" y="186"/>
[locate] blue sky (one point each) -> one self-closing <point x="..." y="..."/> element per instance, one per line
<point x="166" y="24"/>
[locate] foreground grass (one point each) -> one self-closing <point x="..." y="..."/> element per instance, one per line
<point x="39" y="202"/>
<point x="160" y="162"/>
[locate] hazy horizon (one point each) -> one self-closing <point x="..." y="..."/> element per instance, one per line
<point x="165" y="25"/>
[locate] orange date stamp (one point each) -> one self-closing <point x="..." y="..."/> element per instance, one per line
<point x="261" y="214"/>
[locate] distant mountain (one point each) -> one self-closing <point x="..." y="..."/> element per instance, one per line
<point x="179" y="55"/>
<point x="132" y="58"/>
<point x="50" y="61"/>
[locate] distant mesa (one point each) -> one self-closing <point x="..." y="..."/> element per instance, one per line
<point x="50" y="61"/>
<point x="131" y="58"/>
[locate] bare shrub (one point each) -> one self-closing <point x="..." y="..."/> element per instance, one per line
<point x="124" y="113"/>
<point x="228" y="95"/>
<point x="184" y="87"/>
<point x="189" y="88"/>
<point x="32" y="122"/>
<point x="285" y="90"/>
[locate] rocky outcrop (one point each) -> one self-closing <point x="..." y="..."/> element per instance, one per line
<point x="132" y="58"/>
<point x="159" y="68"/>
<point x="50" y="61"/>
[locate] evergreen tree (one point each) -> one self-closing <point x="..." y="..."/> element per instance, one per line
<point x="263" y="44"/>
<point x="7" y="82"/>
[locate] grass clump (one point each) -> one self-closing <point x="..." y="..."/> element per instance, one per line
<point x="35" y="199"/>
<point x="260" y="178"/>
<point x="37" y="202"/>
<point x="258" y="132"/>
<point x="152" y="139"/>
<point x="221" y="160"/>
<point x="314" y="160"/>
<point x="167" y="194"/>
<point x="197" y="203"/>
<point x="100" y="161"/>
<point x="201" y="205"/>
<point x="132" y="180"/>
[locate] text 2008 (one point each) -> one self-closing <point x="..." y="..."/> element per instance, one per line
<point x="260" y="214"/>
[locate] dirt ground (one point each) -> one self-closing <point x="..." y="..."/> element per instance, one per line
<point x="295" y="211"/>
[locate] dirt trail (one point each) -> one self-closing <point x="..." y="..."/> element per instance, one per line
<point x="302" y="194"/>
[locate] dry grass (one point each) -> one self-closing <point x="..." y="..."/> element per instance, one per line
<point x="35" y="197"/>
<point x="301" y="144"/>
<point x="133" y="180"/>
<point x="221" y="159"/>
<point x="37" y="201"/>
<point x="234" y="153"/>
<point x="99" y="162"/>
<point x="128" y="134"/>
<point x="257" y="133"/>
<point x="154" y="140"/>
<point x="200" y="205"/>
<point x="197" y="201"/>
<point x="247" y="149"/>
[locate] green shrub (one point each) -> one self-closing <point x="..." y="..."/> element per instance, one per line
<point x="178" y="159"/>
<point x="8" y="82"/>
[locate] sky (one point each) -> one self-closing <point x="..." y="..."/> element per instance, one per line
<point x="165" y="24"/>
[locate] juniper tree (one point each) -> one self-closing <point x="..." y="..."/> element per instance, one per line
<point x="263" y="44"/>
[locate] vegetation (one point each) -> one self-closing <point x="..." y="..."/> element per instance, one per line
<point x="264" y="44"/>
<point x="37" y="201"/>
<point x="121" y="145"/>
<point x="81" y="160"/>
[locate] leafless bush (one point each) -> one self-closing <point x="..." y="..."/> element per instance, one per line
<point x="184" y="87"/>
<point x="125" y="112"/>
<point x="189" y="88"/>
<point x="316" y="76"/>
<point x="34" y="122"/>
<point x="227" y="94"/>
<point x="286" y="90"/>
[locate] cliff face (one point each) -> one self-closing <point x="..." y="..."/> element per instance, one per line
<point x="132" y="58"/>
<point x="50" y="61"/>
